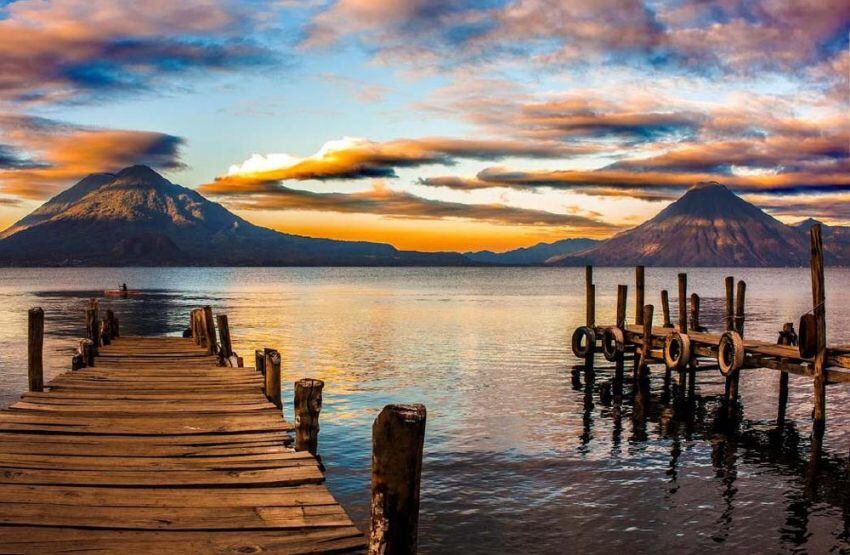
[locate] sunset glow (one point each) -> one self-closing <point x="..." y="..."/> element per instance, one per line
<point x="433" y="126"/>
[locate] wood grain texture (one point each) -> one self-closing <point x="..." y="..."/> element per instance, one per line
<point x="155" y="448"/>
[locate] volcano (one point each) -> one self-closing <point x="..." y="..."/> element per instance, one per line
<point x="137" y="217"/>
<point x="708" y="226"/>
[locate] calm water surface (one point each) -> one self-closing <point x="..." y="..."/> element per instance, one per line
<point x="520" y="454"/>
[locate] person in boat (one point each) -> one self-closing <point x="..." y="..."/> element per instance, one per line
<point x="123" y="288"/>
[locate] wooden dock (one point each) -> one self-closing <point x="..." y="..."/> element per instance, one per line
<point x="688" y="348"/>
<point x="157" y="447"/>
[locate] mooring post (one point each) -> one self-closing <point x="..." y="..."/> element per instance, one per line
<point x="209" y="328"/>
<point x="622" y="296"/>
<point x="643" y="365"/>
<point x="785" y="338"/>
<point x="87" y="351"/>
<point x="35" y="349"/>
<point x="665" y="309"/>
<point x="260" y="362"/>
<point x="639" y="293"/>
<point x="738" y="325"/>
<point x="695" y="325"/>
<point x="398" y="435"/>
<point x="92" y="324"/>
<point x="682" y="282"/>
<point x="224" y="336"/>
<point x="193" y="324"/>
<point x="308" y="405"/>
<point x="590" y="293"/>
<point x="819" y="311"/>
<point x="105" y="335"/>
<point x="730" y="303"/>
<point x="272" y="366"/>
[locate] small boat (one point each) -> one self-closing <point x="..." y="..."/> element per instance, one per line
<point x="124" y="293"/>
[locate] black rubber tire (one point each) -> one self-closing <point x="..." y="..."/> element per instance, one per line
<point x="589" y="347"/>
<point x="807" y="336"/>
<point x="613" y="343"/>
<point x="677" y="350"/>
<point x="731" y="343"/>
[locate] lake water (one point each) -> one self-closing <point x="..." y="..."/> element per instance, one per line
<point x="520" y="455"/>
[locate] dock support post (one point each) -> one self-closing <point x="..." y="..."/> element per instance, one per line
<point x="695" y="325"/>
<point x="682" y="282"/>
<point x="272" y="366"/>
<point x="260" y="361"/>
<point x="87" y="352"/>
<point x="308" y="405"/>
<point x="643" y="364"/>
<point x="224" y="336"/>
<point x="35" y="349"/>
<point x="786" y="337"/>
<point x="105" y="334"/>
<point x="665" y="309"/>
<point x="92" y="323"/>
<point x="819" y="311"/>
<point x="737" y="321"/>
<point x="620" y="322"/>
<point x="639" y="293"/>
<point x="209" y="329"/>
<point x="590" y="291"/>
<point x="729" y="324"/>
<point x="398" y="435"/>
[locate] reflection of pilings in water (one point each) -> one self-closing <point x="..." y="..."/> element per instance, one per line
<point x="724" y="458"/>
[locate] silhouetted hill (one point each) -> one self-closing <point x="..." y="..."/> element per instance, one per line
<point x="537" y="254"/>
<point x="138" y="217"/>
<point x="708" y="226"/>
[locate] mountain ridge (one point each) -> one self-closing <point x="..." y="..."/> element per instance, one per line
<point x="137" y="217"/>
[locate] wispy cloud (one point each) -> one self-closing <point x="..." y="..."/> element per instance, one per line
<point x="59" y="153"/>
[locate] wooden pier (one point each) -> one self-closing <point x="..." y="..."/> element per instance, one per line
<point x="161" y="444"/>
<point x="688" y="348"/>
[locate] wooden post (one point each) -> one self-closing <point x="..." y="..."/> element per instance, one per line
<point x="695" y="325"/>
<point x="643" y="366"/>
<point x="665" y="309"/>
<point x="398" y="435"/>
<point x="35" y="349"/>
<point x="224" y="336"/>
<point x="260" y="361"/>
<point x="733" y="381"/>
<point x="730" y="303"/>
<point x="784" y="339"/>
<point x="116" y="327"/>
<point x="308" y="405"/>
<point x="193" y="324"/>
<point x="87" y="352"/>
<point x="105" y="335"/>
<point x="113" y="324"/>
<point x="622" y="297"/>
<point x="819" y="311"/>
<point x="590" y="291"/>
<point x="209" y="329"/>
<point x="683" y="303"/>
<point x="639" y="293"/>
<point x="272" y="366"/>
<point x="740" y="299"/>
<point x="92" y="331"/>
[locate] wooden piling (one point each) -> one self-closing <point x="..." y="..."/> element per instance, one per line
<point x="819" y="311"/>
<point x="105" y="334"/>
<point x="308" y="405"/>
<point x="260" y="361"/>
<point x="35" y="349"/>
<point x="665" y="309"/>
<point x="729" y="314"/>
<point x="733" y="381"/>
<point x="622" y="297"/>
<point x="88" y="352"/>
<point x="209" y="329"/>
<point x="272" y="366"/>
<point x="643" y="365"/>
<point x="784" y="339"/>
<point x="683" y="302"/>
<point x="695" y="325"/>
<point x="398" y="435"/>
<point x="740" y="296"/>
<point x="92" y="330"/>
<point x="224" y="336"/>
<point x="590" y="293"/>
<point x="113" y="324"/>
<point x="639" y="294"/>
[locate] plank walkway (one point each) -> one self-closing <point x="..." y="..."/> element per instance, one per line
<point x="158" y="449"/>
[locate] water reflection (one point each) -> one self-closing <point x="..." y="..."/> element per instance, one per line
<point x="523" y="452"/>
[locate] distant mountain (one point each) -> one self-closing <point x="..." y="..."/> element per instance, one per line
<point x="708" y="226"/>
<point x="537" y="254"/>
<point x="836" y="241"/>
<point x="137" y="217"/>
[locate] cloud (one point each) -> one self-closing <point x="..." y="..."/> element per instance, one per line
<point x="383" y="201"/>
<point x="60" y="153"/>
<point x="357" y="158"/>
<point x="77" y="50"/>
<point x="730" y="37"/>
<point x="829" y="207"/>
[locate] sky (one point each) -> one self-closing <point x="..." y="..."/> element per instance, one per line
<point x="432" y="124"/>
